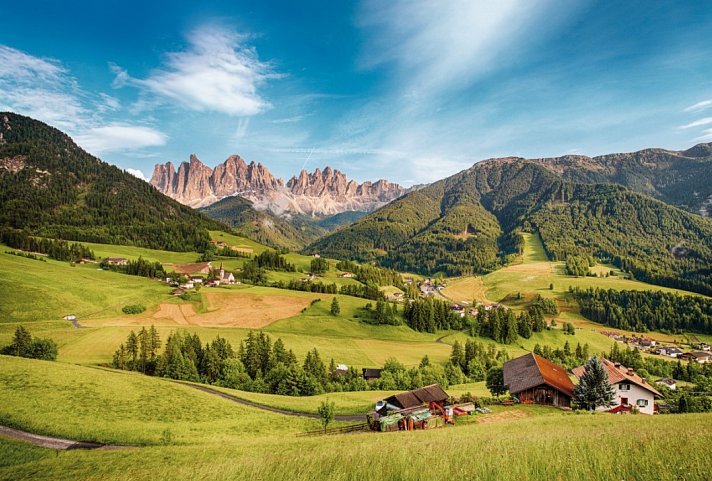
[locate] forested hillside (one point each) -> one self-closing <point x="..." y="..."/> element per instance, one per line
<point x="471" y="223"/>
<point x="50" y="187"/>
<point x="681" y="178"/>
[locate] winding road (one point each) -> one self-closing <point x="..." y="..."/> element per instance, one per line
<point x="346" y="418"/>
<point x="54" y="443"/>
<point x="67" y="444"/>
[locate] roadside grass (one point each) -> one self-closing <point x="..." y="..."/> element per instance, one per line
<point x="116" y="407"/>
<point x="520" y="443"/>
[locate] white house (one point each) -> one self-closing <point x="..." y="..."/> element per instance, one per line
<point x="630" y="389"/>
<point x="670" y="351"/>
<point x="668" y="383"/>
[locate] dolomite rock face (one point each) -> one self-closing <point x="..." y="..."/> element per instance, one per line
<point x="322" y="192"/>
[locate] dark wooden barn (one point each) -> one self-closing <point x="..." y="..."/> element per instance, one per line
<point x="535" y="380"/>
<point x="417" y="397"/>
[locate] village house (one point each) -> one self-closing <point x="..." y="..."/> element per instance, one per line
<point x="196" y="279"/>
<point x="70" y="317"/>
<point x="670" y="351"/>
<point x="370" y="374"/>
<point x="535" y="380"/>
<point x="703" y="347"/>
<point x="117" y="261"/>
<point x="667" y="382"/>
<point x="631" y="391"/>
<point x="413" y="399"/>
<point x="700" y="357"/>
<point x="347" y="275"/>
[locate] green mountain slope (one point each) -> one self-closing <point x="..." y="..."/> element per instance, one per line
<point x="681" y="178"/>
<point x="50" y="187"/>
<point x="471" y="222"/>
<point x="260" y="226"/>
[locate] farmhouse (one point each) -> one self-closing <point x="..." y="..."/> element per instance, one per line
<point x="670" y="351"/>
<point x="117" y="261"/>
<point x="700" y="357"/>
<point x="370" y="374"/>
<point x="630" y="389"/>
<point x="413" y="399"/>
<point x="347" y="275"/>
<point x="535" y="380"/>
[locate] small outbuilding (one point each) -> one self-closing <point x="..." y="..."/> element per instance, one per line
<point x="535" y="380"/>
<point x="370" y="373"/>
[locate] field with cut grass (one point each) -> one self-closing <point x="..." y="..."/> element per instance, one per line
<point x="188" y="434"/>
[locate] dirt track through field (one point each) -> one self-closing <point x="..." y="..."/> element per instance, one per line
<point x="503" y="416"/>
<point x="347" y="418"/>
<point x="54" y="443"/>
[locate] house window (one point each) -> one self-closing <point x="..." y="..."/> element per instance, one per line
<point x="624" y="387"/>
<point x="642" y="403"/>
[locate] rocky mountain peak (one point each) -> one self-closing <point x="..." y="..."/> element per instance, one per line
<point x="322" y="192"/>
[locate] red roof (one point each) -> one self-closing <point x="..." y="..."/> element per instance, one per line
<point x="554" y="375"/>
<point x="619" y="373"/>
<point x="531" y="370"/>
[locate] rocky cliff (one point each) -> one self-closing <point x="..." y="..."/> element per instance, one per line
<point x="322" y="192"/>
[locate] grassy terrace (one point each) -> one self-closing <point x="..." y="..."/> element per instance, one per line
<point x="187" y="434"/>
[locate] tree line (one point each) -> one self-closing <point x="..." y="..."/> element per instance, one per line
<point x="139" y="267"/>
<point x="642" y="311"/>
<point x="55" y="249"/>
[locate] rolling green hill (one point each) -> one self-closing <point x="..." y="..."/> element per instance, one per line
<point x="50" y="187"/>
<point x="472" y="222"/>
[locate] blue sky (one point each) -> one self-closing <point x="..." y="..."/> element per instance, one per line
<point x="411" y="91"/>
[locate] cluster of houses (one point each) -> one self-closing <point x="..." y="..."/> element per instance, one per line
<point x="535" y="380"/>
<point x="214" y="279"/>
<point x="702" y="355"/>
<point x="428" y="287"/>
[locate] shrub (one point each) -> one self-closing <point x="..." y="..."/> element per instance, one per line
<point x="133" y="309"/>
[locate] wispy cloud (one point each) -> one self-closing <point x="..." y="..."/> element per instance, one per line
<point x="217" y="72"/>
<point x="706" y="135"/>
<point x="44" y="89"/>
<point x="115" y="137"/>
<point x="702" y="105"/>
<point x="448" y="44"/>
<point x="697" y="123"/>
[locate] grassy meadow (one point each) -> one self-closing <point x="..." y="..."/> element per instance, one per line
<point x="181" y="433"/>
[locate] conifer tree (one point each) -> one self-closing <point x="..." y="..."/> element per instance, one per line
<point x="593" y="389"/>
<point x="336" y="309"/>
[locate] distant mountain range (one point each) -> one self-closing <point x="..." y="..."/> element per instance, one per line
<point x="322" y="193"/>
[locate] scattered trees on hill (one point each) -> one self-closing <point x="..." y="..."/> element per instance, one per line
<point x="384" y="313"/>
<point x="430" y="315"/>
<point x="474" y="359"/>
<point x="24" y="345"/>
<point x="579" y="266"/>
<point x="319" y="265"/>
<point x="372" y="274"/>
<point x="646" y="310"/>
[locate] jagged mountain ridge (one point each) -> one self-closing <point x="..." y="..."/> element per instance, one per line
<point x="322" y="192"/>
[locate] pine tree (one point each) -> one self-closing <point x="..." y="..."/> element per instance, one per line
<point x="21" y="342"/>
<point x="457" y="356"/>
<point x="155" y="342"/>
<point x="336" y="309"/>
<point x="593" y="389"/>
<point x="132" y="348"/>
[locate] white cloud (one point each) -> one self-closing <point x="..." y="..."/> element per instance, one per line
<point x="704" y="104"/>
<point x="43" y="89"/>
<point x="137" y="173"/>
<point x="218" y="72"/>
<point x="697" y="123"/>
<point x="437" y="45"/>
<point x="115" y="137"/>
<point x="706" y="136"/>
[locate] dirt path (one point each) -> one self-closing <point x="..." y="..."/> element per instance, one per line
<point x="347" y="418"/>
<point x="53" y="443"/>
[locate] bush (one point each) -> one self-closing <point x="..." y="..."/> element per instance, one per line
<point x="133" y="309"/>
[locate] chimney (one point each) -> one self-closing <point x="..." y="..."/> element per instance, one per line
<point x="618" y="364"/>
<point x="630" y="372"/>
<point x="644" y="380"/>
